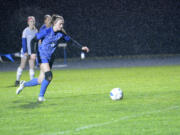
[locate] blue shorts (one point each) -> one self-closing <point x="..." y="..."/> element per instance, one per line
<point x="45" y="60"/>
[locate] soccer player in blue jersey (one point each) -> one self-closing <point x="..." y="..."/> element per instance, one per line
<point x="47" y="22"/>
<point x="51" y="37"/>
<point x="27" y="52"/>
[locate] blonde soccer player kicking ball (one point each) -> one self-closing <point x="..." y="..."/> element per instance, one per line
<point x="49" y="44"/>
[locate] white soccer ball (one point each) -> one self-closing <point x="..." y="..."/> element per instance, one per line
<point x="116" y="94"/>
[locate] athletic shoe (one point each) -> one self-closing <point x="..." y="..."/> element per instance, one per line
<point x="41" y="99"/>
<point x="20" y="88"/>
<point x="16" y="83"/>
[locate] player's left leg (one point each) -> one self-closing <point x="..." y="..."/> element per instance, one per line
<point x="32" y="65"/>
<point x="20" y="68"/>
<point x="47" y="79"/>
<point x="33" y="81"/>
<point x="30" y="83"/>
<point x="20" y="88"/>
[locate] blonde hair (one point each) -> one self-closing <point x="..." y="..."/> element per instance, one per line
<point x="47" y="16"/>
<point x="55" y="18"/>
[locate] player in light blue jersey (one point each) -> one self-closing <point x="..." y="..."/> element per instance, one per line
<point x="51" y="37"/>
<point x="27" y="52"/>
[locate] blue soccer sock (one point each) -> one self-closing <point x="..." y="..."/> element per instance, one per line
<point x="32" y="82"/>
<point x="44" y="86"/>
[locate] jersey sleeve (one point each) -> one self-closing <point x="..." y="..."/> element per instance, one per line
<point x="71" y="40"/>
<point x="36" y="30"/>
<point x="67" y="38"/>
<point x="42" y="27"/>
<point x="41" y="34"/>
<point x="24" y="41"/>
<point x="24" y="33"/>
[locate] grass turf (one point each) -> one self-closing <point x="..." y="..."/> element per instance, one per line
<point x="77" y="102"/>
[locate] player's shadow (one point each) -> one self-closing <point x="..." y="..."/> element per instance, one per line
<point x="30" y="105"/>
<point x="9" y="86"/>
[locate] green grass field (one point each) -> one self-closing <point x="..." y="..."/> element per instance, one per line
<point x="77" y="102"/>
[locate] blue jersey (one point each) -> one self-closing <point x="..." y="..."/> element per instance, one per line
<point x="42" y="27"/>
<point x="49" y="44"/>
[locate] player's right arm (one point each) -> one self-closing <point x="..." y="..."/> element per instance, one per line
<point x="74" y="42"/>
<point x="41" y="34"/>
<point x="24" y="41"/>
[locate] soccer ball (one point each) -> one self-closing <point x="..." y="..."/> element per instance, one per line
<point x="116" y="94"/>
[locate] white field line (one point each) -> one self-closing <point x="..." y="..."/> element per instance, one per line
<point x="109" y="122"/>
<point x="59" y="66"/>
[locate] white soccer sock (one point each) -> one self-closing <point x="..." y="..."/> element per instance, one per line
<point x="31" y="73"/>
<point x="19" y="73"/>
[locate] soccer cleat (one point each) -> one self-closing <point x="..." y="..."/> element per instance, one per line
<point x="16" y="83"/>
<point x="20" y="88"/>
<point x="41" y="99"/>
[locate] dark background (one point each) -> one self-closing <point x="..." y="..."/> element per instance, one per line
<point x="107" y="27"/>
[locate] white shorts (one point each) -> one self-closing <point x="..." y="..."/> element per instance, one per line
<point x="22" y="54"/>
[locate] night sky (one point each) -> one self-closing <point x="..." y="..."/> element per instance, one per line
<point x="107" y="27"/>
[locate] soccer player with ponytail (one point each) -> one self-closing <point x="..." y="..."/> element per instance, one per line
<point x="51" y="37"/>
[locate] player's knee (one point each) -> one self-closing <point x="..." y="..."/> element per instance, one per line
<point x="48" y="75"/>
<point x="33" y="56"/>
<point x="22" y="66"/>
